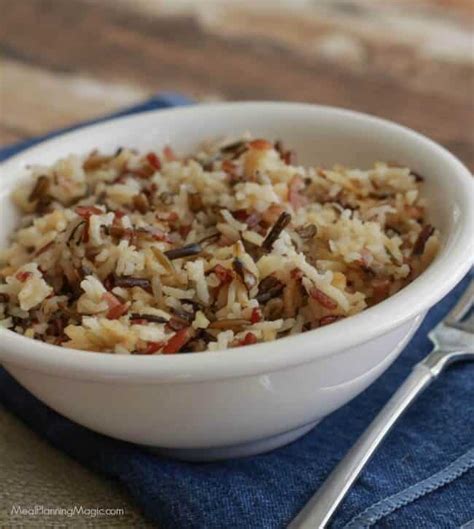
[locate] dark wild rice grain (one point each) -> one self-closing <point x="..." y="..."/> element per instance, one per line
<point x="246" y="276"/>
<point x="236" y="149"/>
<point x="425" y="233"/>
<point x="152" y="318"/>
<point x="40" y="189"/>
<point x="185" y="251"/>
<point x="281" y="223"/>
<point x="269" y="288"/>
<point x="130" y="282"/>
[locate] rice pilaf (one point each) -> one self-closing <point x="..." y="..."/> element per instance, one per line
<point x="234" y="245"/>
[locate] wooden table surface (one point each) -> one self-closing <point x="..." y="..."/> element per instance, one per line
<point x="407" y="60"/>
<point x="69" y="60"/>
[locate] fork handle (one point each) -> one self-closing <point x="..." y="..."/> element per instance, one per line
<point x="320" y="508"/>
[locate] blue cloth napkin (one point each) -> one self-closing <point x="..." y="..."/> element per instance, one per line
<point x="422" y="477"/>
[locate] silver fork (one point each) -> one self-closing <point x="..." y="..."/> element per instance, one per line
<point x="453" y="341"/>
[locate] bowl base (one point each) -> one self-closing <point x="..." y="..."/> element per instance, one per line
<point x="234" y="451"/>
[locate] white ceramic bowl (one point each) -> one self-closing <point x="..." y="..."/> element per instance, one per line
<point x="251" y="399"/>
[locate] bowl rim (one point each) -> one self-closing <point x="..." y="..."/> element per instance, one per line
<point x="414" y="299"/>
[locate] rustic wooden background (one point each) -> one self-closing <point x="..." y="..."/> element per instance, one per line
<point x="63" y="61"/>
<point x="407" y="60"/>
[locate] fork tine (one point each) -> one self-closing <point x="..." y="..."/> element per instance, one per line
<point x="462" y="307"/>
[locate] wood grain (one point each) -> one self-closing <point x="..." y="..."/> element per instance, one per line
<point x="58" y="99"/>
<point x="116" y="46"/>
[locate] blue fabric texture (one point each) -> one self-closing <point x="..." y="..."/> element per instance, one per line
<point x="421" y="478"/>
